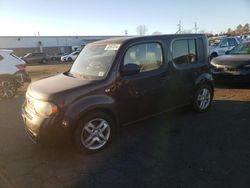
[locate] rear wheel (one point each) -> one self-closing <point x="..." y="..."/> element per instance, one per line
<point x="44" y="61"/>
<point x="94" y="132"/>
<point x="70" y="59"/>
<point x="213" y="55"/>
<point x="8" y="88"/>
<point x="203" y="98"/>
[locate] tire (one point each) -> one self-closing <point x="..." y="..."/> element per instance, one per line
<point x="8" y="88"/>
<point x="70" y="59"/>
<point x="44" y="61"/>
<point x="213" y="55"/>
<point x="203" y="98"/>
<point x="94" y="132"/>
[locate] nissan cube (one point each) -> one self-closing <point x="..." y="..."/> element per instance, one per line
<point x="117" y="82"/>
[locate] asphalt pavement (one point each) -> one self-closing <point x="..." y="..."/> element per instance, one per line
<point x="177" y="149"/>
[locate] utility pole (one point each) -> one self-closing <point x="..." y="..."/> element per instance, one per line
<point x="179" y="25"/>
<point x="195" y="27"/>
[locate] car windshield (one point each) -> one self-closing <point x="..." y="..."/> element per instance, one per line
<point x="241" y="49"/>
<point x="214" y="42"/>
<point x="94" y="61"/>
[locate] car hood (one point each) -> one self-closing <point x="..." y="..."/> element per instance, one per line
<point x="232" y="60"/>
<point x="58" y="88"/>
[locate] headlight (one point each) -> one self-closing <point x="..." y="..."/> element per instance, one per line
<point x="45" y="108"/>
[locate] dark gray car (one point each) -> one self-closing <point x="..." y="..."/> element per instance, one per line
<point x="36" y="57"/>
<point x="233" y="67"/>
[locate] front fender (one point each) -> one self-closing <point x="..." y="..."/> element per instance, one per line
<point x="86" y="104"/>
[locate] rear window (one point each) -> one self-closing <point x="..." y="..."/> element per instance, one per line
<point x="184" y="51"/>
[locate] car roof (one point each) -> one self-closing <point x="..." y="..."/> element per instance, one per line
<point x="121" y="40"/>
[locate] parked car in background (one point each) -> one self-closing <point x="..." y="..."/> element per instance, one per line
<point x="56" y="57"/>
<point x="117" y="82"/>
<point x="219" y="46"/>
<point x="70" y="57"/>
<point x="233" y="67"/>
<point x="12" y="74"/>
<point x="245" y="37"/>
<point x="36" y="57"/>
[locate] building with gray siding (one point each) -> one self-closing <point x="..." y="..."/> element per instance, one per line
<point x="48" y="44"/>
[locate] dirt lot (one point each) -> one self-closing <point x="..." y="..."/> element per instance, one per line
<point x="178" y="149"/>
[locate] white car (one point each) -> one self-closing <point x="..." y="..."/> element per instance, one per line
<point x="220" y="46"/>
<point x="70" y="57"/>
<point x="12" y="74"/>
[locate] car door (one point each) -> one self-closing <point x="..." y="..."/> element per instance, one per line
<point x="34" y="58"/>
<point x="232" y="43"/>
<point x="188" y="62"/>
<point x="139" y="95"/>
<point x="224" y="47"/>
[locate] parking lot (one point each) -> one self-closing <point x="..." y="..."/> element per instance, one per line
<point x="177" y="149"/>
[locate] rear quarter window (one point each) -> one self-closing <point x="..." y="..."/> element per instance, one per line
<point x="184" y="51"/>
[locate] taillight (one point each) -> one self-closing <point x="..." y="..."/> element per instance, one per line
<point x="21" y="67"/>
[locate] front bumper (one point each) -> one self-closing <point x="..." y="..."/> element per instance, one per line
<point x="242" y="76"/>
<point x="42" y="129"/>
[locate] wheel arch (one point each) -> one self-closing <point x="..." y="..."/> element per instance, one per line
<point x="204" y="79"/>
<point x="76" y="112"/>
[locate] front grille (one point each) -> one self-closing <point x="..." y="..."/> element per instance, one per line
<point x="231" y="69"/>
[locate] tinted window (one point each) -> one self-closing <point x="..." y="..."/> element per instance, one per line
<point x="1" y="57"/>
<point x="184" y="51"/>
<point x="147" y="56"/>
<point x="232" y="42"/>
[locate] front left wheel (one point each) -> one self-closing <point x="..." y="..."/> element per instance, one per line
<point x="94" y="132"/>
<point x="8" y="89"/>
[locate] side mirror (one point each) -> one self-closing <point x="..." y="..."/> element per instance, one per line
<point x="227" y="52"/>
<point x="130" y="69"/>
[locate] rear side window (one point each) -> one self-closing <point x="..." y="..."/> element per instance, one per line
<point x="1" y="58"/>
<point x="184" y="51"/>
<point x="148" y="56"/>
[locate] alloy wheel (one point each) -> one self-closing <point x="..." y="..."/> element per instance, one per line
<point x="95" y="134"/>
<point x="7" y="89"/>
<point x="204" y="98"/>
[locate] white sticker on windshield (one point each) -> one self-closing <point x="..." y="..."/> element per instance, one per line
<point x="112" y="47"/>
<point x="101" y="74"/>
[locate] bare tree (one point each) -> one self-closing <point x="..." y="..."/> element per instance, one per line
<point x="239" y="29"/>
<point x="246" y="28"/>
<point x="141" y="29"/>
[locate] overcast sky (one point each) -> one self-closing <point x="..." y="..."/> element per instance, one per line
<point x="112" y="17"/>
